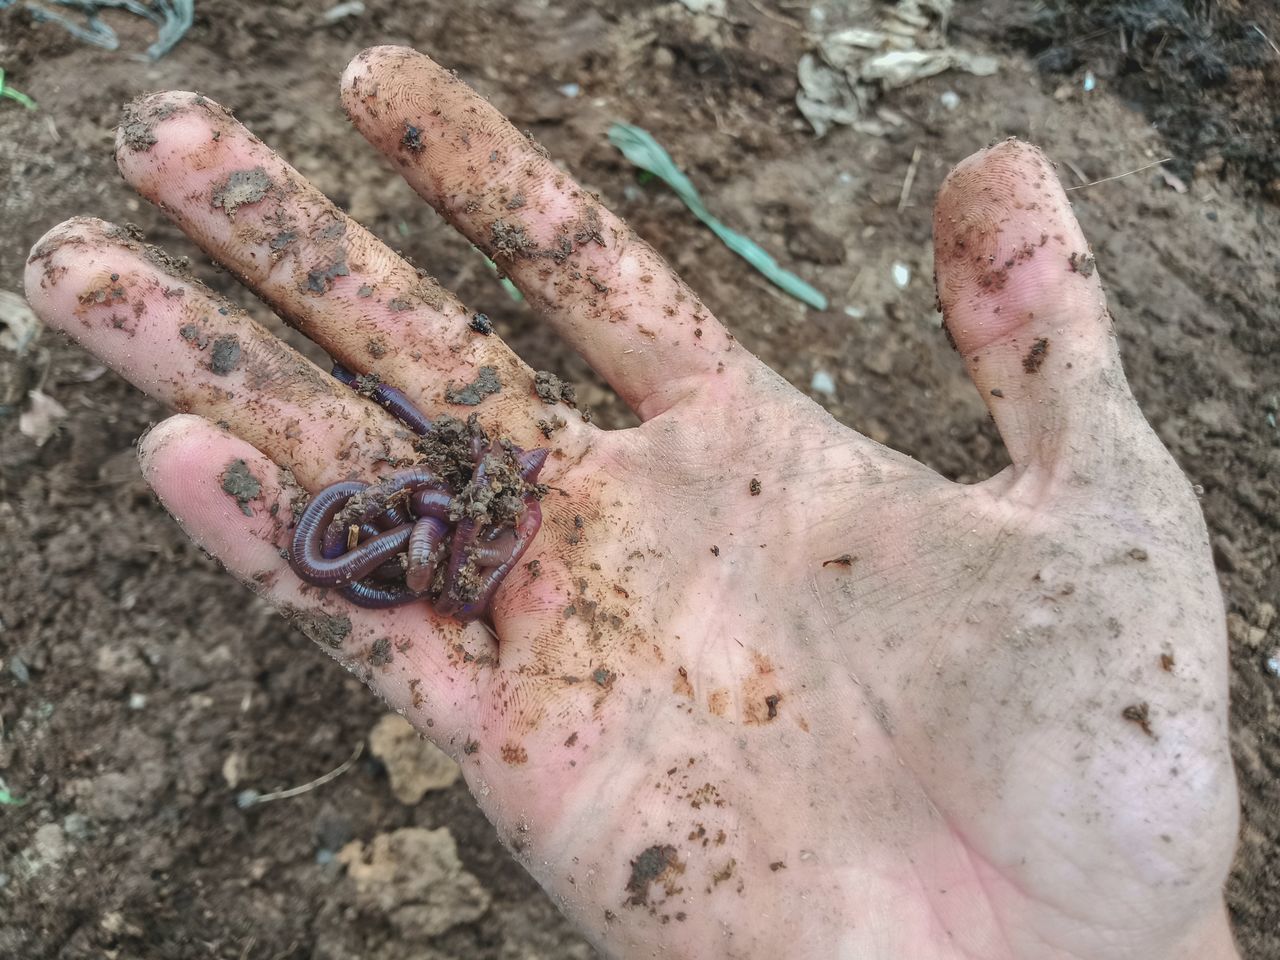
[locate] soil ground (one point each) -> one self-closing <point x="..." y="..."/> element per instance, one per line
<point x="141" y="689"/>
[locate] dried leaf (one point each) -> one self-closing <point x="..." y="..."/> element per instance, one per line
<point x="40" y="420"/>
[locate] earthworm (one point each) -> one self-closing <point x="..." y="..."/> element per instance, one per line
<point x="364" y="594"/>
<point x="495" y="552"/>
<point x="310" y="566"/>
<point x="468" y="610"/>
<point x="425" y="545"/>
<point x="531" y="463"/>
<point x="382" y="543"/>
<point x="390" y="399"/>
<point x="426" y="502"/>
<point x="335" y="541"/>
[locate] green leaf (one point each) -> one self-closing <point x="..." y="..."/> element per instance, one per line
<point x="641" y="149"/>
<point x="16" y="95"/>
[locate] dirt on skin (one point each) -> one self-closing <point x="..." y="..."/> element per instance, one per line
<point x="142" y="690"/>
<point x="238" y="482"/>
<point x="485" y="384"/>
<point x="241" y="188"/>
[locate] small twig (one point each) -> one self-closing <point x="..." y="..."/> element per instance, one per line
<point x="1155" y="57"/>
<point x="244" y="802"/>
<point x="1271" y="43"/>
<point x="1120" y="176"/>
<point x="775" y="17"/>
<point x="909" y="181"/>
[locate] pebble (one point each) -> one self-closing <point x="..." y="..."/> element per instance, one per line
<point x="343" y="10"/>
<point x="901" y="275"/>
<point x="76" y="826"/>
<point x="823" y="383"/>
<point x="1265" y="615"/>
<point x="950" y="99"/>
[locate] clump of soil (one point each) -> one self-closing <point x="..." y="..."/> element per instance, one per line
<point x="225" y="355"/>
<point x="1206" y="73"/>
<point x="238" y="482"/>
<point x="447" y="448"/>
<point x="240" y="189"/>
<point x="485" y="384"/>
<point x="142" y="687"/>
<point x="551" y="389"/>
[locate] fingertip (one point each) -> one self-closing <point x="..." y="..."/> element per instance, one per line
<point x="48" y="270"/>
<point x="166" y="443"/>
<point x="189" y="121"/>
<point x="224" y="492"/>
<point x="1008" y="248"/>
<point x="1023" y="304"/>
<point x="359" y="82"/>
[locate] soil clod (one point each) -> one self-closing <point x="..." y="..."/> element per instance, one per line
<point x="485" y="384"/>
<point x="412" y="139"/>
<point x="1082" y="263"/>
<point x="1036" y="355"/>
<point x="551" y="389"/>
<point x="225" y="355"/>
<point x="238" y="482"/>
<point x="1140" y="713"/>
<point x="240" y="189"/>
<point x="652" y="865"/>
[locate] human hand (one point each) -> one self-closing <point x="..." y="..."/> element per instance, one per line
<point x="760" y="687"/>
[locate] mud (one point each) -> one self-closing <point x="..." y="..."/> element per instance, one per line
<point x="551" y="389"/>
<point x="203" y="671"/>
<point x="225" y="355"/>
<point x="238" y="482"/>
<point x="653" y="865"/>
<point x="241" y="189"/>
<point x="485" y="384"/>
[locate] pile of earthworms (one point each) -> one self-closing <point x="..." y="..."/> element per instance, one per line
<point x="408" y="536"/>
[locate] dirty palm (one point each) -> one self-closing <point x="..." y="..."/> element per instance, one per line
<point x="994" y="726"/>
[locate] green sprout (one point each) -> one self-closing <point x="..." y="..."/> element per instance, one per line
<point x="12" y="94"/>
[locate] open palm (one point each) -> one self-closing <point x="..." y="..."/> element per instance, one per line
<point x="761" y="687"/>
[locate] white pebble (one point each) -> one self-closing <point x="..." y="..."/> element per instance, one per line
<point x="950" y="99"/>
<point x="858" y="313"/>
<point x="823" y="383"/>
<point x="343" y="10"/>
<point x="570" y="90"/>
<point x="901" y="275"/>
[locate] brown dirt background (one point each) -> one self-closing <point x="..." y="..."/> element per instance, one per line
<point x="133" y="668"/>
